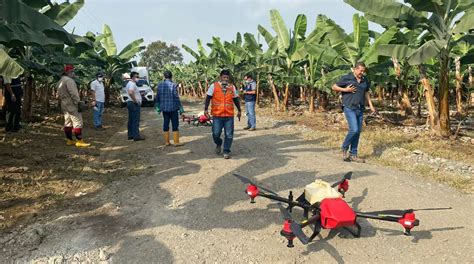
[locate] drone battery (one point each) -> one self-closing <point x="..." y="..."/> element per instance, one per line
<point x="335" y="212"/>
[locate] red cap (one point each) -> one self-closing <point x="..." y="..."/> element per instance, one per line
<point x="68" y="68"/>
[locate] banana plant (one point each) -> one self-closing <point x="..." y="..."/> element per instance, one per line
<point x="288" y="43"/>
<point x="441" y="20"/>
<point x="112" y="62"/>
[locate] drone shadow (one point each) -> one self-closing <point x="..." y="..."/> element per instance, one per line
<point x="419" y="234"/>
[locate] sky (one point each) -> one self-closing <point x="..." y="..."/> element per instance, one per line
<point x="184" y="21"/>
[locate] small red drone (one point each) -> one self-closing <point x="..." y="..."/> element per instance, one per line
<point x="202" y="120"/>
<point x="328" y="209"/>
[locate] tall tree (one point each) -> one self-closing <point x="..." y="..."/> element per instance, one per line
<point x="158" y="54"/>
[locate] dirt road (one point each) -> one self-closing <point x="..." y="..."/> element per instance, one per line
<point x="183" y="205"/>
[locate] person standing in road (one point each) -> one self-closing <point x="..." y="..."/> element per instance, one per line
<point x="250" y="96"/>
<point x="355" y="91"/>
<point x="168" y="102"/>
<point x="98" y="100"/>
<point x="71" y="107"/>
<point x="13" y="95"/>
<point x="223" y="96"/>
<point x="134" y="102"/>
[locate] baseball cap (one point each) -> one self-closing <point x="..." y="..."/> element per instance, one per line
<point x="68" y="68"/>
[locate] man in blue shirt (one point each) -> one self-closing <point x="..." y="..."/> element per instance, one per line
<point x="168" y="102"/>
<point x="355" y="91"/>
<point x="250" y="96"/>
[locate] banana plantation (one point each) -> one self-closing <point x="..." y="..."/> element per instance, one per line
<point x="422" y="60"/>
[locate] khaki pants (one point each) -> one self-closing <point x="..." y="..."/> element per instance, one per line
<point x="73" y="119"/>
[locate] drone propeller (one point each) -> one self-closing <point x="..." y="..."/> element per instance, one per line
<point x="248" y="181"/>
<point x="294" y="226"/>
<point x="402" y="212"/>
<point x="346" y="176"/>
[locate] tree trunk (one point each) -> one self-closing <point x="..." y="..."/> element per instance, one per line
<point x="193" y="90"/>
<point x="403" y="100"/>
<point x="302" y="94"/>
<point x="444" y="94"/>
<point x="311" y="100"/>
<point x="45" y="100"/>
<point x="107" y="83"/>
<point x="27" y="100"/>
<point x="257" y="91"/>
<point x="430" y="104"/>
<point x="285" y="99"/>
<point x="471" y="85"/>
<point x="380" y="92"/>
<point x="275" y="93"/>
<point x="201" y="89"/>
<point x="324" y="101"/>
<point x="458" y="86"/>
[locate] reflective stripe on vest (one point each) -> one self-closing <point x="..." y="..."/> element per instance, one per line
<point x="223" y="104"/>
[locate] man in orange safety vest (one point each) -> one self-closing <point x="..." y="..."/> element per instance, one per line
<point x="223" y="96"/>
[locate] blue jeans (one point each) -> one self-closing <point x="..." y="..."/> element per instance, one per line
<point x="228" y="124"/>
<point x="354" y="119"/>
<point x="98" y="114"/>
<point x="251" y="119"/>
<point x="173" y="117"/>
<point x="133" y="120"/>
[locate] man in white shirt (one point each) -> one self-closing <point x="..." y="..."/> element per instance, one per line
<point x="133" y="105"/>
<point x="98" y="100"/>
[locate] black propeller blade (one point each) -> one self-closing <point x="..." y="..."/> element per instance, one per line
<point x="346" y="176"/>
<point x="248" y="181"/>
<point x="402" y="212"/>
<point x="295" y="227"/>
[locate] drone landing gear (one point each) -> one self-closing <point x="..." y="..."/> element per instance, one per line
<point x="287" y="233"/>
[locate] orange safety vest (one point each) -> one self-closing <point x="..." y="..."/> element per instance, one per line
<point x="223" y="104"/>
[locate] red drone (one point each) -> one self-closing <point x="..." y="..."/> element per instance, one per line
<point x="328" y="209"/>
<point x="202" y="120"/>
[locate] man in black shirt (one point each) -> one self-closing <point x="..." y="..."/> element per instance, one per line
<point x="355" y="91"/>
<point x="13" y="95"/>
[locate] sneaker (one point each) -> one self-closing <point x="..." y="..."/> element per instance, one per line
<point x="252" y="129"/>
<point x="218" y="150"/>
<point x="139" y="138"/>
<point x="130" y="138"/>
<point x="246" y="128"/>
<point x="357" y="159"/>
<point x="99" y="128"/>
<point x="345" y="156"/>
<point x="226" y="156"/>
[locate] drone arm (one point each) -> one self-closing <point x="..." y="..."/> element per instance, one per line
<point x="407" y="220"/>
<point x="291" y="203"/>
<point x="378" y="217"/>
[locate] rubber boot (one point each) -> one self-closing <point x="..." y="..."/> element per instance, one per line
<point x="70" y="142"/>
<point x="81" y="144"/>
<point x="166" y="136"/>
<point x="176" y="139"/>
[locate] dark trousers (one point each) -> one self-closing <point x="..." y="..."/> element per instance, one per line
<point x="133" y="120"/>
<point x="13" y="114"/>
<point x="354" y="119"/>
<point x="226" y="123"/>
<point x="173" y="117"/>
